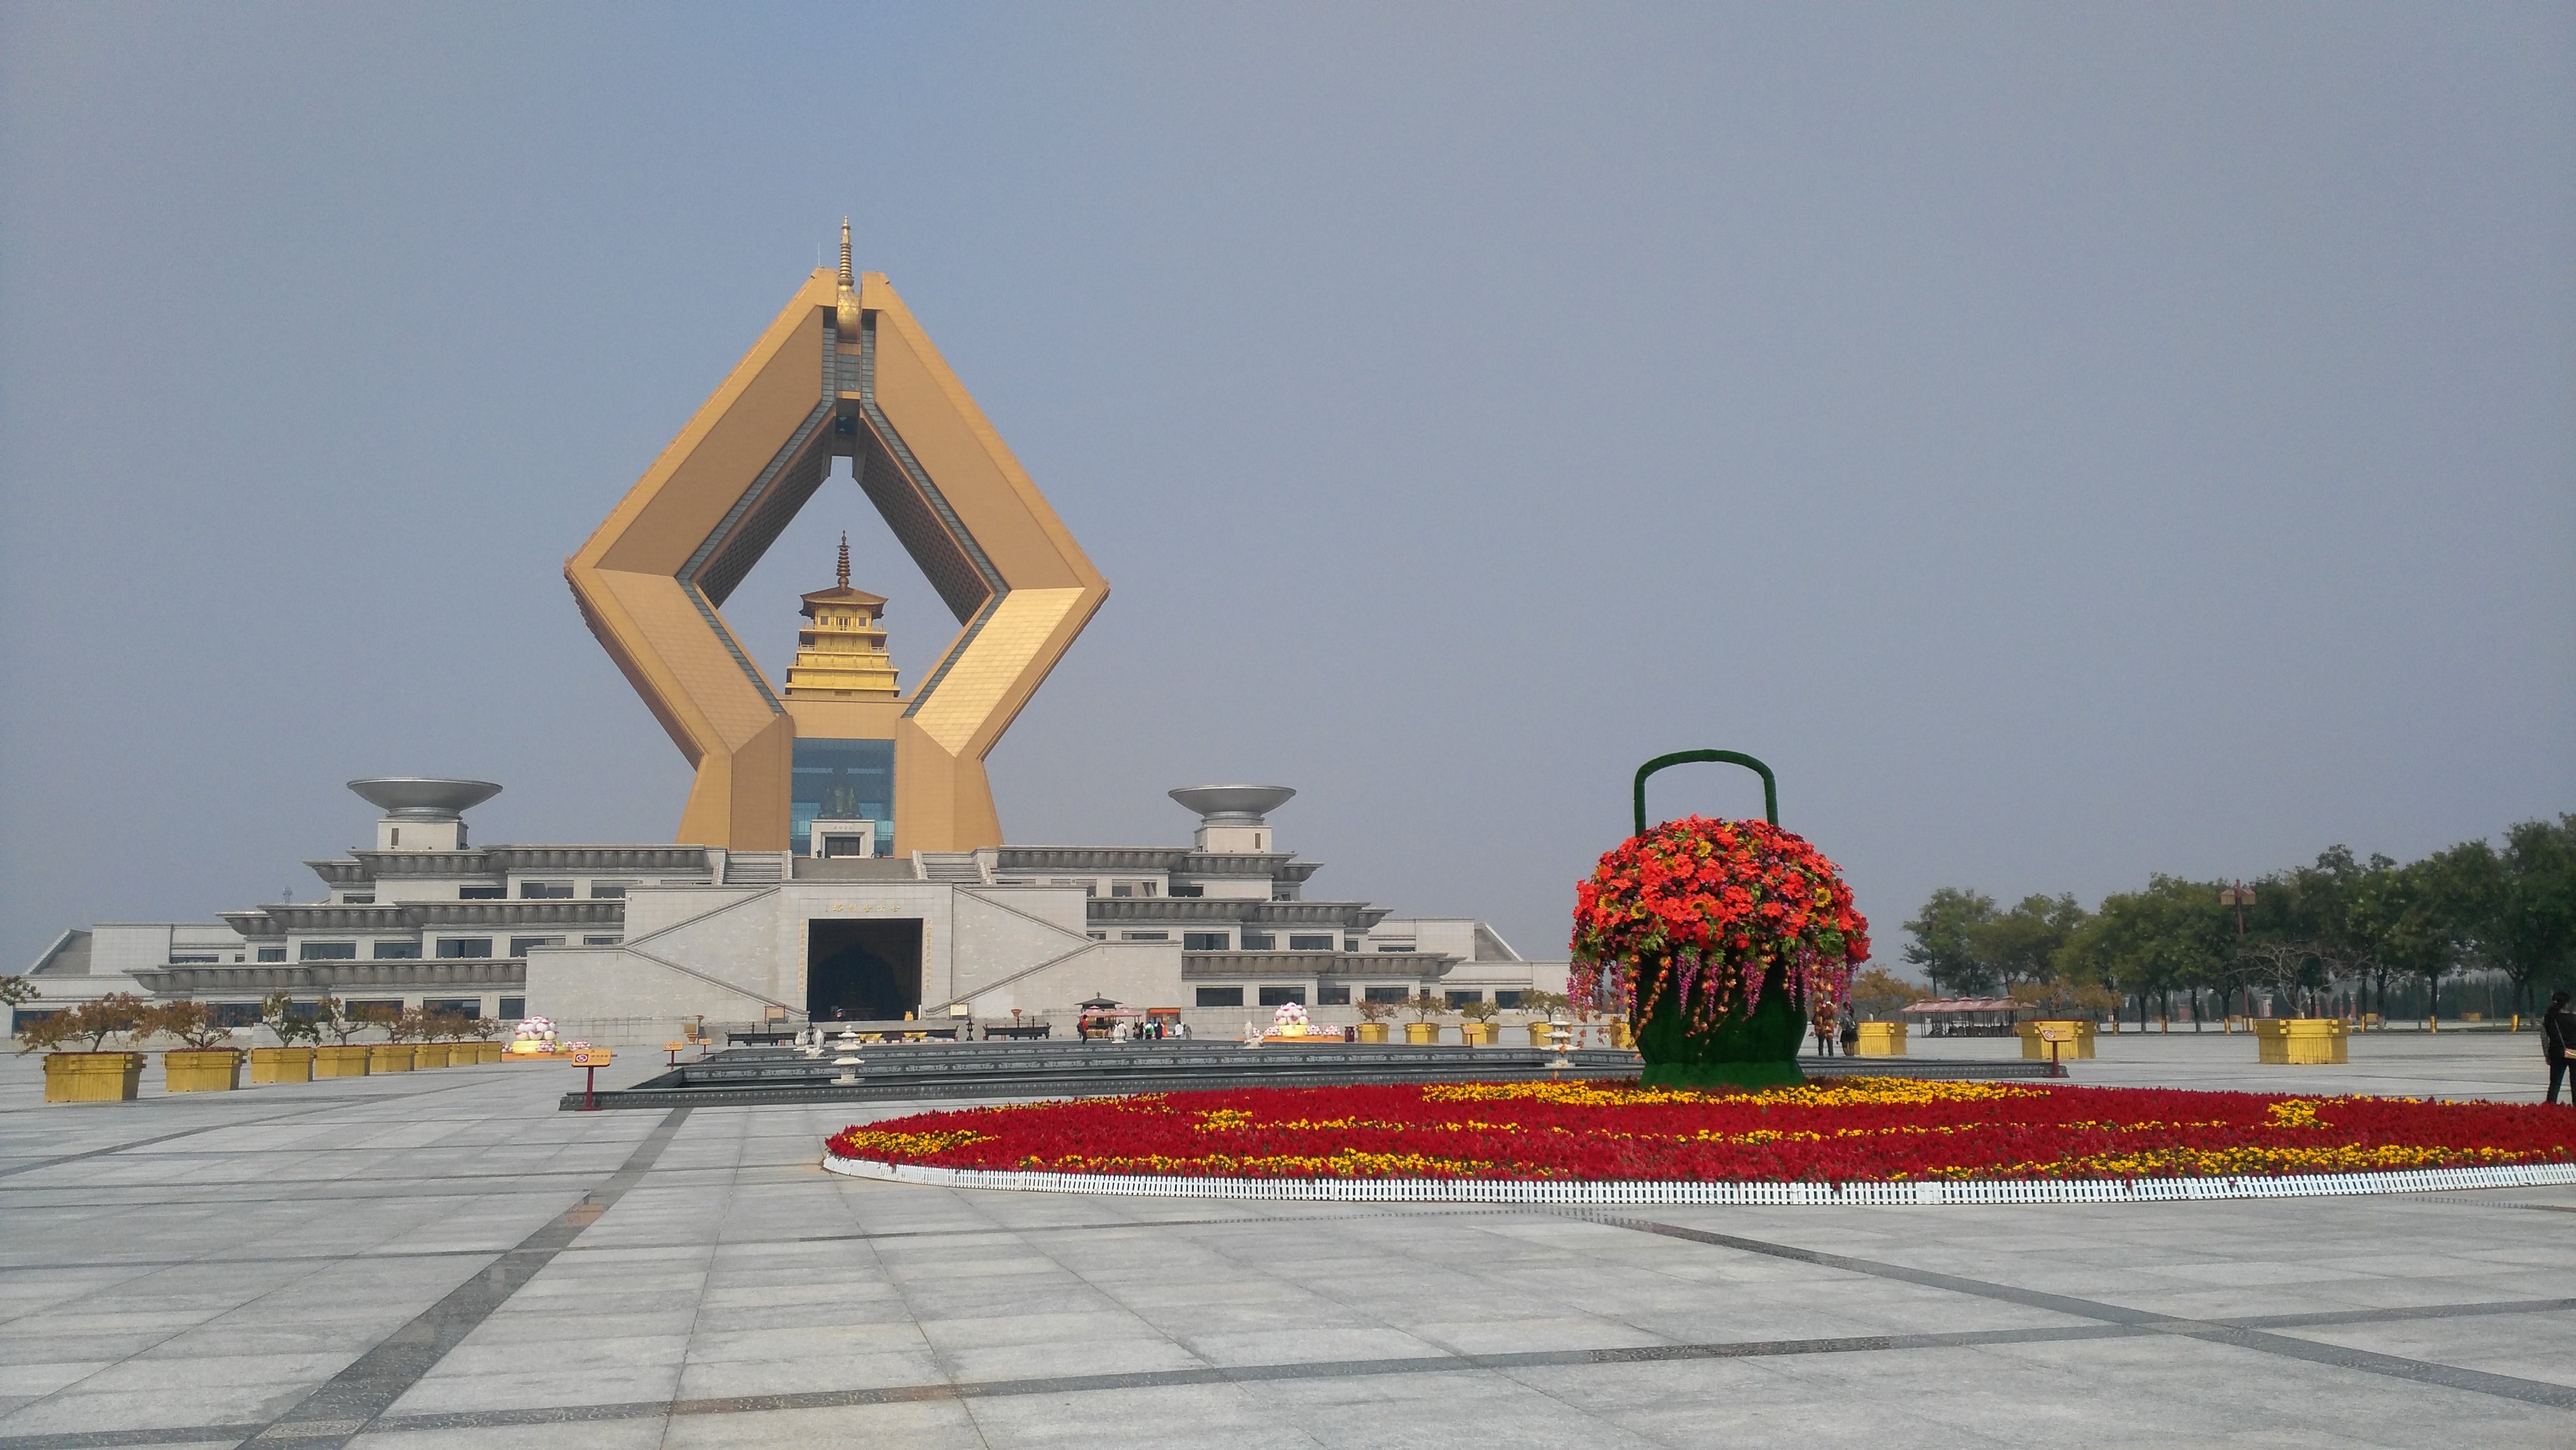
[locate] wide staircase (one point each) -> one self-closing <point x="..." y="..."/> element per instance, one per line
<point x="957" y="867"/>
<point x="755" y="868"/>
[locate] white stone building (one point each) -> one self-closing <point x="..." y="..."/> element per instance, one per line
<point x="623" y="943"/>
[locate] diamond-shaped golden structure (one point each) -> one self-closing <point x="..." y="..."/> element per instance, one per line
<point x="844" y="371"/>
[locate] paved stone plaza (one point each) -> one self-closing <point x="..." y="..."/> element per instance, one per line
<point x="442" y="1258"/>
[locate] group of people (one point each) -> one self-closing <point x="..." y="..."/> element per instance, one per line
<point x="1827" y="1035"/>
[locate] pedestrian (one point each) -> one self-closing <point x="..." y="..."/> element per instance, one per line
<point x="1851" y="1036"/>
<point x="2558" y="1042"/>
<point x="1824" y="1032"/>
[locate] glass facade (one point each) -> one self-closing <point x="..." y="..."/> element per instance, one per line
<point x="841" y="780"/>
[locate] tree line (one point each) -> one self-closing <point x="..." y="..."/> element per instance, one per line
<point x="2327" y="938"/>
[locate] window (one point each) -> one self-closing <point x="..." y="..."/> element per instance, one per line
<point x="1310" y="943"/>
<point x="384" y="1011"/>
<point x="395" y="951"/>
<point x="1260" y="941"/>
<point x="519" y="944"/>
<point x="601" y="941"/>
<point x="1332" y="996"/>
<point x="513" y="1008"/>
<point x="236" y="1014"/>
<point x="1395" y="946"/>
<point x="1350" y="944"/>
<point x="327" y="951"/>
<point x="1189" y="891"/>
<point x="1506" y="998"/>
<point x="1202" y="941"/>
<point x="1282" y="996"/>
<point x="1384" y="994"/>
<point x="1098" y="935"/>
<point x="359" y="898"/>
<point x="180" y="961"/>
<point x="1283" y="893"/>
<point x="482" y="893"/>
<point x="1461" y="999"/>
<point x="465" y="946"/>
<point x="467" y="1007"/>
<point x="1122" y="888"/>
<point x="836" y="844"/>
<point x="1144" y="936"/>
<point x="841" y="780"/>
<point x="272" y="954"/>
<point x="1220" y="996"/>
<point x="609" y="890"/>
<point x="545" y="891"/>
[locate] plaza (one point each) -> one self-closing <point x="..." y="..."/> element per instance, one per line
<point x="445" y="1258"/>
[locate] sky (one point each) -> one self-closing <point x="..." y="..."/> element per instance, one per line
<point x="2066" y="442"/>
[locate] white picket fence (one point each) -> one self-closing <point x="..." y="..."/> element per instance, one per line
<point x="1761" y="1195"/>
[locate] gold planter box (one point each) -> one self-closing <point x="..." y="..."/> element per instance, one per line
<point x="345" y="1061"/>
<point x="1622" y="1036"/>
<point x="1880" y="1039"/>
<point x="1420" y="1034"/>
<point x="93" y="1077"/>
<point x="2077" y="1043"/>
<point x="201" y="1069"/>
<point x="1476" y="1034"/>
<point x="280" y="1064"/>
<point x="482" y="1052"/>
<point x="389" y="1057"/>
<point x="1542" y="1034"/>
<point x="432" y="1054"/>
<point x="1372" y="1032"/>
<point x="2296" y="1041"/>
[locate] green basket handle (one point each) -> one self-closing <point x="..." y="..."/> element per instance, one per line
<point x="1770" y="783"/>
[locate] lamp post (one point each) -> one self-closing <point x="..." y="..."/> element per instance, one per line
<point x="2240" y="896"/>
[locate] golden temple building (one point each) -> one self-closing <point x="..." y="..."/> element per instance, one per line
<point x="842" y="654"/>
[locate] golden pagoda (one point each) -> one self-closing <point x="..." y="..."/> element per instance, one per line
<point x="841" y="655"/>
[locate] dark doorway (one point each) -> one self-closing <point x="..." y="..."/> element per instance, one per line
<point x="862" y="971"/>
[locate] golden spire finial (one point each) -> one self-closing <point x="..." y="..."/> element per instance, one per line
<point x="845" y="559"/>
<point x="846" y="313"/>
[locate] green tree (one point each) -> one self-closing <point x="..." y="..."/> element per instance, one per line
<point x="1944" y="943"/>
<point x="2020" y="947"/>
<point x="2529" y="933"/>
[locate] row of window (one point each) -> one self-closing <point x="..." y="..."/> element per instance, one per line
<point x="1252" y="941"/>
<point x="455" y="947"/>
<point x="540" y="891"/>
<point x="1335" y="995"/>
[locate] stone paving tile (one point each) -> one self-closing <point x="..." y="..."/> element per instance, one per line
<point x="241" y="1265"/>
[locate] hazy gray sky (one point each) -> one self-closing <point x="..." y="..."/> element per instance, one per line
<point x="2067" y="441"/>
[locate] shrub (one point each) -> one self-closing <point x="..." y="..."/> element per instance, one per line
<point x="118" y="1014"/>
<point x="192" y="1023"/>
<point x="277" y="1013"/>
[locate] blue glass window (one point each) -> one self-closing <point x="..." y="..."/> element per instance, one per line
<point x="841" y="780"/>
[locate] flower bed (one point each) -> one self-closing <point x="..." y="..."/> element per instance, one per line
<point x="1865" y="1130"/>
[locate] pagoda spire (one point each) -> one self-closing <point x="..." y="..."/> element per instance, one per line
<point x="846" y="279"/>
<point x="843" y="578"/>
<point x="846" y="306"/>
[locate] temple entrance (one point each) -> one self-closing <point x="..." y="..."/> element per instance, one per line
<point x="862" y="971"/>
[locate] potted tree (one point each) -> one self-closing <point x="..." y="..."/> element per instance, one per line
<point x="395" y="1053"/>
<point x="430" y="1031"/>
<point x="485" y="1031"/>
<point x="205" y="1062"/>
<point x="285" y="1062"/>
<point x="342" y="1058"/>
<point x="1478" y="1028"/>
<point x="91" y="1074"/>
<point x="1422" y="1030"/>
<point x="1543" y="1007"/>
<point x="1373" y="1015"/>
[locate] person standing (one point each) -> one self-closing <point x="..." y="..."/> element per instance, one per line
<point x="2558" y="1042"/>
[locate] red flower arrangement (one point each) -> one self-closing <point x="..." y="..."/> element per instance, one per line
<point x="1716" y="938"/>
<point x="1869" y="1129"/>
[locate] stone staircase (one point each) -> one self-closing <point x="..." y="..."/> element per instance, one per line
<point x="755" y="868"/>
<point x="957" y="867"/>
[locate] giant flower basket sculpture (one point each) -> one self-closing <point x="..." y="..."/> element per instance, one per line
<point x="1717" y="938"/>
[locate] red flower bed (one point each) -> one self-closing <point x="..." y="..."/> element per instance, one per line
<point x="1858" y="1130"/>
